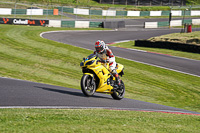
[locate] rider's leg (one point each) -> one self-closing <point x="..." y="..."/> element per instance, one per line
<point x="114" y="72"/>
<point x="118" y="80"/>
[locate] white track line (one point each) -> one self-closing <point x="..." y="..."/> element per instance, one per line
<point x="161" y="67"/>
<point x="135" y="60"/>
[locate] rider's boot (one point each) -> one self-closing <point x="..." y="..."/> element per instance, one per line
<point x="118" y="80"/>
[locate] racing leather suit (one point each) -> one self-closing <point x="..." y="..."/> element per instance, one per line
<point x="107" y="56"/>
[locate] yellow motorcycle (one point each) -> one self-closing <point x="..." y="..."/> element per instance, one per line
<point x="97" y="78"/>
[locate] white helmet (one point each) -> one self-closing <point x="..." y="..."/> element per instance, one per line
<point x="100" y="46"/>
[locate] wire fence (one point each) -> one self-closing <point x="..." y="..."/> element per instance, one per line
<point x="38" y="11"/>
<point x="32" y="11"/>
<point x="145" y="2"/>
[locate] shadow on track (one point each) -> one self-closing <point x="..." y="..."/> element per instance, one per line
<point x="80" y="94"/>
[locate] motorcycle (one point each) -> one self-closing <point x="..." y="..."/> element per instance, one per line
<point x="98" y="78"/>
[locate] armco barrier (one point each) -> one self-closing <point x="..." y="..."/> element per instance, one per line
<point x="75" y="24"/>
<point x="54" y="23"/>
<point x="196" y="21"/>
<point x="5" y="11"/>
<point x="19" y="11"/>
<point x="195" y="13"/>
<point x="109" y="13"/>
<point x="133" y="13"/>
<point x="169" y="45"/>
<point x="128" y="13"/>
<point x="172" y="23"/>
<point x="67" y="23"/>
<point x="8" y="11"/>
<point x="155" y="13"/>
<point x="176" y="23"/>
<point x="176" y="13"/>
<point x="34" y="12"/>
<point x="82" y="24"/>
<point x="96" y="24"/>
<point x="151" y="25"/>
<point x="81" y="11"/>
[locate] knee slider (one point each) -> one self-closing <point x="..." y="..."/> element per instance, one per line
<point x="114" y="72"/>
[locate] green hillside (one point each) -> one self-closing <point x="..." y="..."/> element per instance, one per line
<point x="189" y="2"/>
<point x="94" y="3"/>
<point x="193" y="2"/>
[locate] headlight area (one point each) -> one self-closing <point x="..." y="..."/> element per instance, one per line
<point x="81" y="64"/>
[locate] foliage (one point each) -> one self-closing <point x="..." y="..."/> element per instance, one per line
<point x="95" y="4"/>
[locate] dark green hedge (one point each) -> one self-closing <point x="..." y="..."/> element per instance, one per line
<point x="169" y="45"/>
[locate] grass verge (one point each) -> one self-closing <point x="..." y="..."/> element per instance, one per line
<point x="188" y="38"/>
<point x="93" y="120"/>
<point x="131" y="45"/>
<point x="25" y="55"/>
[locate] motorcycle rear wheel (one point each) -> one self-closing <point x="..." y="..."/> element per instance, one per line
<point x="87" y="87"/>
<point x="119" y="94"/>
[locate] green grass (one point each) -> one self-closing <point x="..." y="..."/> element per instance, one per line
<point x="190" y="38"/>
<point x="25" y="55"/>
<point x="94" y="120"/>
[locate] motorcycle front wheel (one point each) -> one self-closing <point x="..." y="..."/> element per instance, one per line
<point x="87" y="86"/>
<point x="119" y="93"/>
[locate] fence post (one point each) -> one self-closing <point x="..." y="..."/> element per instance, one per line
<point x="15" y="8"/>
<point x="31" y="9"/>
<point x="62" y="13"/>
<point x="47" y="10"/>
<point x="76" y="12"/>
<point x="170" y="18"/>
<point x="102" y="14"/>
<point x="89" y="12"/>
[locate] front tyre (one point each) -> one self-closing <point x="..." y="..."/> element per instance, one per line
<point x="88" y="88"/>
<point x="119" y="93"/>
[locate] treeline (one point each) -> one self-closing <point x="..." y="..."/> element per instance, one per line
<point x="188" y="2"/>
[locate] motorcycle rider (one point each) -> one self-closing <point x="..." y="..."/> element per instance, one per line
<point x="106" y="56"/>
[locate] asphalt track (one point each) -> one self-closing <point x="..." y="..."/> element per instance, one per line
<point x="86" y="39"/>
<point x="24" y="94"/>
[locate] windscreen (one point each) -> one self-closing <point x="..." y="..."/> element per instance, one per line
<point x="90" y="56"/>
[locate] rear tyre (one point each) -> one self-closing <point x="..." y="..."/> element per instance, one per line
<point x="118" y="94"/>
<point x="87" y="87"/>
